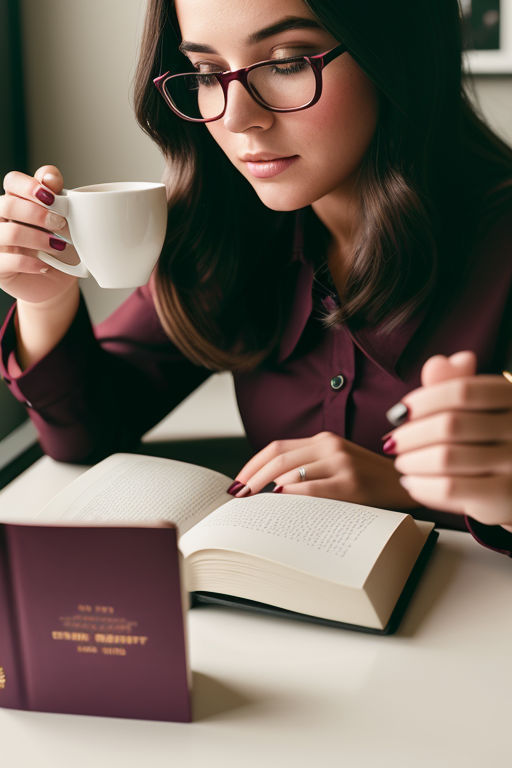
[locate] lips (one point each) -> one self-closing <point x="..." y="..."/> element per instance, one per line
<point x="263" y="157"/>
<point x="266" y="169"/>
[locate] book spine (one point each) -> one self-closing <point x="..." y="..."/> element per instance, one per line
<point x="12" y="688"/>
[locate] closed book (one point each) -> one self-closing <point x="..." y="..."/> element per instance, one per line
<point x="12" y="689"/>
<point x="95" y="621"/>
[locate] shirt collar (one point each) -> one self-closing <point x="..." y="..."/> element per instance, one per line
<point x="385" y="350"/>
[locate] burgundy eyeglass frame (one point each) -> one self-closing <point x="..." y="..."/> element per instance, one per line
<point x="317" y="62"/>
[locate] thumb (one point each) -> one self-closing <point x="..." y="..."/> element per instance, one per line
<point x="440" y="368"/>
<point x="51" y="177"/>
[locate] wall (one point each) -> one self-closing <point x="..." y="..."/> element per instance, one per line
<point x="80" y="60"/>
<point x="494" y="95"/>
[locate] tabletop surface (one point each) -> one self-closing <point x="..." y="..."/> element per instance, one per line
<point x="273" y="690"/>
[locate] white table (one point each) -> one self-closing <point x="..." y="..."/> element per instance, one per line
<point x="275" y="692"/>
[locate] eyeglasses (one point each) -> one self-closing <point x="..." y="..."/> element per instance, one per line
<point x="279" y="85"/>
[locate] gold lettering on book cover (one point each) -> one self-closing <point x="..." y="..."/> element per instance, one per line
<point x="95" y="626"/>
<point x="75" y="637"/>
<point x="3" y="679"/>
<point x="107" y="651"/>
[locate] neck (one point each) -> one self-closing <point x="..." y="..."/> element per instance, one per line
<point x="340" y="213"/>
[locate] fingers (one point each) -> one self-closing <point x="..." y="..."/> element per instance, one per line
<point x="22" y="185"/>
<point x="276" y="448"/>
<point x="440" y="368"/>
<point x="315" y="470"/>
<point x="325" y="489"/>
<point x="25" y="211"/>
<point x="51" y="177"/>
<point x="486" y="499"/>
<point x="454" y="459"/>
<point x="14" y="235"/>
<point x="257" y="477"/>
<point x="455" y="427"/>
<point x="282" y="456"/>
<point x="455" y="446"/>
<point x="479" y="393"/>
<point x="21" y="263"/>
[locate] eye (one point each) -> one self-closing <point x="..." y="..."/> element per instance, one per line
<point x="206" y="80"/>
<point x="206" y="67"/>
<point x="290" y="67"/>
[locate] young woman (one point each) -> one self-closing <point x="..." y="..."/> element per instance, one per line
<point x="339" y="237"/>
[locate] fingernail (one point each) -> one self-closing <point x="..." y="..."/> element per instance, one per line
<point x="385" y="437"/>
<point x="278" y="489"/>
<point x="53" y="221"/>
<point x="389" y="446"/>
<point x="234" y="487"/>
<point x="57" y="244"/>
<point x="244" y="491"/>
<point x="397" y="414"/>
<point x="45" y="197"/>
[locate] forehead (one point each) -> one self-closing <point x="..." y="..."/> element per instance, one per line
<point x="204" y="21"/>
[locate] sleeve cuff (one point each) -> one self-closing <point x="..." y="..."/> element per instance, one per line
<point x="491" y="536"/>
<point x="56" y="374"/>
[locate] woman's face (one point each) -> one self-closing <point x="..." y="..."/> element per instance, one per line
<point x="327" y="141"/>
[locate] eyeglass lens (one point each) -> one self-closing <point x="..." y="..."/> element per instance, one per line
<point x="287" y="85"/>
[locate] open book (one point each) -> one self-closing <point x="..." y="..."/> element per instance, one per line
<point x="322" y="559"/>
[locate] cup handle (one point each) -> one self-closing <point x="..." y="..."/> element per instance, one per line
<point x="61" y="206"/>
<point x="77" y="270"/>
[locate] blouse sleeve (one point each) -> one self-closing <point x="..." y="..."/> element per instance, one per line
<point x="101" y="388"/>
<point x="491" y="536"/>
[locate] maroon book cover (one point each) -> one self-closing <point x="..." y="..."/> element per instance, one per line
<point x="99" y="620"/>
<point x="11" y="682"/>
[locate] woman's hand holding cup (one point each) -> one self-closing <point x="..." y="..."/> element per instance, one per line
<point x="28" y="227"/>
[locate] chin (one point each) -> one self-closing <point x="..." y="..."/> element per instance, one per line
<point x="279" y="200"/>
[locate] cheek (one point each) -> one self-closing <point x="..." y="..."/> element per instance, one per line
<point x="345" y="122"/>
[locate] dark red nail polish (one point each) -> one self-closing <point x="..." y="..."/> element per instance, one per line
<point x="45" y="197"/>
<point x="243" y="492"/>
<point x="389" y="446"/>
<point x="278" y="489"/>
<point x="56" y="244"/>
<point x="234" y="487"/>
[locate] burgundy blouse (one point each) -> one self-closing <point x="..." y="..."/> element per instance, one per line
<point x="101" y="388"/>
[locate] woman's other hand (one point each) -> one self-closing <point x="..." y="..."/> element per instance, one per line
<point x="455" y="449"/>
<point x="335" y="468"/>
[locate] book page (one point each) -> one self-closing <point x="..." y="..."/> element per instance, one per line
<point x="130" y="488"/>
<point x="335" y="540"/>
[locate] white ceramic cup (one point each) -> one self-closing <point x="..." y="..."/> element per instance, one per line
<point x="118" y="230"/>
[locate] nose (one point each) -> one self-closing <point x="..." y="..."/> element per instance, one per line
<point x="243" y="112"/>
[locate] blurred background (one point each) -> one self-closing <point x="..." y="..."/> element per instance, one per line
<point x="66" y="72"/>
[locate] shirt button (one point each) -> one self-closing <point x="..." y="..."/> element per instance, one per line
<point x="337" y="382"/>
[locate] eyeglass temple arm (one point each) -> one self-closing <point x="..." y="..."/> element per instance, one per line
<point x="324" y="58"/>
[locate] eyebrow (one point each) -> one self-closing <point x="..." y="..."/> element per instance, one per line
<point x="289" y="22"/>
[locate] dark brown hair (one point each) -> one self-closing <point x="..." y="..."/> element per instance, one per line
<point x="433" y="169"/>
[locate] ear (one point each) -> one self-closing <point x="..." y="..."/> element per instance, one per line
<point x="440" y="368"/>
